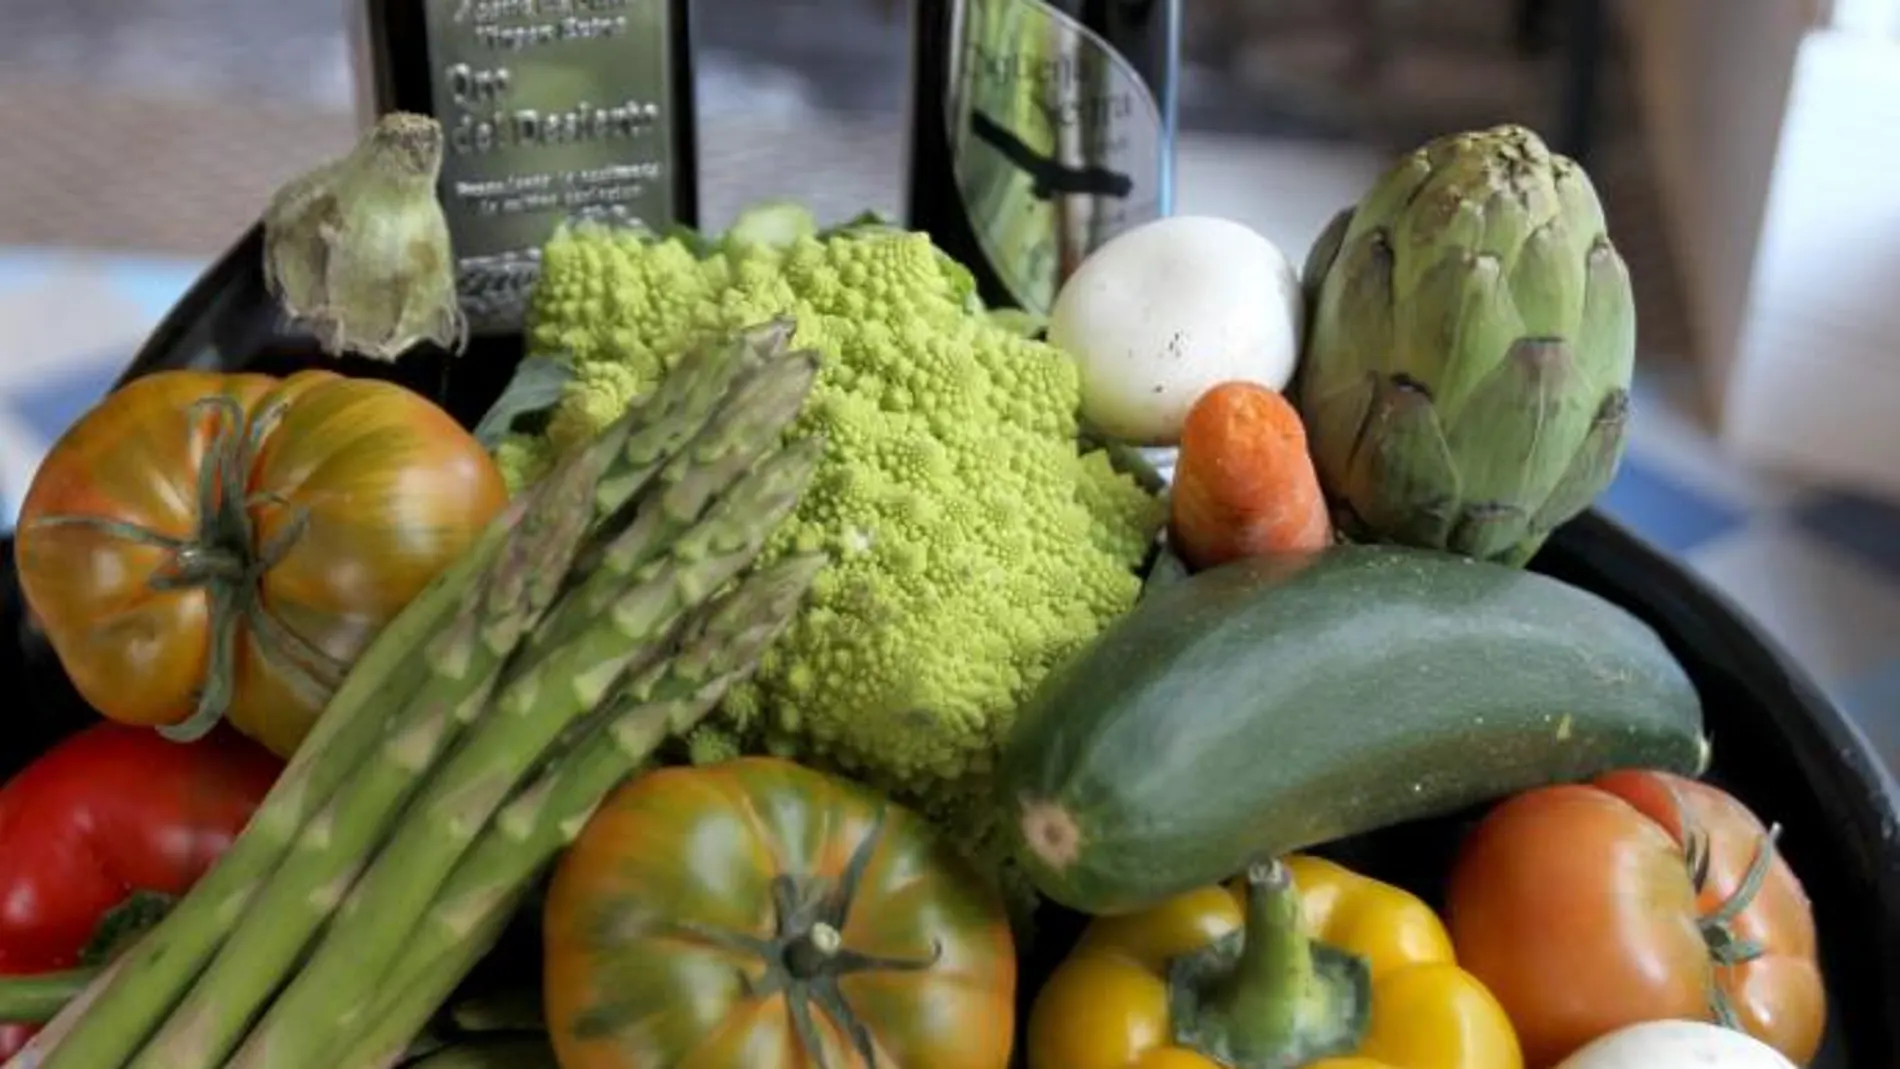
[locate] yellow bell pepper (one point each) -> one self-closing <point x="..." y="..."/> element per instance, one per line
<point x="1300" y="963"/>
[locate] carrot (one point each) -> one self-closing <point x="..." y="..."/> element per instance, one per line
<point x="1244" y="485"/>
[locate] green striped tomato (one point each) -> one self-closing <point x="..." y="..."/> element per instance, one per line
<point x="758" y="913"/>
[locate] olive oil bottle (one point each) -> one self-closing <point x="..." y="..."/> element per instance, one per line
<point x="1039" y="129"/>
<point x="550" y="109"/>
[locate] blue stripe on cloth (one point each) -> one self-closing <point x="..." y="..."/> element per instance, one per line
<point x="1867" y="529"/>
<point x="151" y="284"/>
<point x="23" y="268"/>
<point x="51" y="403"/>
<point x="1873" y="700"/>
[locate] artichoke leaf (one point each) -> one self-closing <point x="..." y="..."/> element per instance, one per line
<point x="1606" y="324"/>
<point x="1401" y="184"/>
<point x="1577" y="197"/>
<point x="1519" y="430"/>
<point x="1344" y="411"/>
<point x="1493" y="532"/>
<point x="1320" y="257"/>
<point x="1361" y="293"/>
<point x="1402" y="482"/>
<point x="1548" y="282"/>
<point x="1593" y="468"/>
<point x="1443" y="222"/>
<point x="1335" y="394"/>
<point x="1455" y="328"/>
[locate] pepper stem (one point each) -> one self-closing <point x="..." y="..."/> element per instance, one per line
<point x="1272" y="996"/>
<point x="1271" y="981"/>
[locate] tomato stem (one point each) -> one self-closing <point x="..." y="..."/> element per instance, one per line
<point x="811" y="954"/>
<point x="222" y="558"/>
<point x="1726" y="948"/>
<point x="1270" y="995"/>
<point x="1718" y="932"/>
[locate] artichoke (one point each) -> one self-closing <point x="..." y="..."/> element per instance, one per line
<point x="1466" y="373"/>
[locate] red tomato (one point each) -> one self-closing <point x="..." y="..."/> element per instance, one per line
<point x="108" y="812"/>
<point x="1642" y="896"/>
<point x="202" y="544"/>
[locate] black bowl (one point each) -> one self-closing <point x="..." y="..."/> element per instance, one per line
<point x="1780" y="744"/>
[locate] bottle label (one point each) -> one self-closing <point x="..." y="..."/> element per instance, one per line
<point x="1057" y="142"/>
<point x="550" y="110"/>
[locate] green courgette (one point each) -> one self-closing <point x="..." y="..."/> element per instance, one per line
<point x="1274" y="704"/>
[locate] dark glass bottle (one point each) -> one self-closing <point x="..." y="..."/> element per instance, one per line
<point x="1039" y="129"/>
<point x="549" y="109"/>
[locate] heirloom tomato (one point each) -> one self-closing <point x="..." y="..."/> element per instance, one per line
<point x="203" y="545"/>
<point x="1641" y="896"/>
<point x="758" y="913"/>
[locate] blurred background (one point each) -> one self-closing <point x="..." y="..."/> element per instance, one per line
<point x="1744" y="149"/>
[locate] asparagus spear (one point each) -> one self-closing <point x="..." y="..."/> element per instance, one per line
<point x="147" y="984"/>
<point x="558" y="685"/>
<point x="707" y="376"/>
<point x="377" y="1024"/>
<point x="765" y="395"/>
<point x="366" y="934"/>
<point x="151" y="976"/>
<point x="763" y="403"/>
<point x="488" y="885"/>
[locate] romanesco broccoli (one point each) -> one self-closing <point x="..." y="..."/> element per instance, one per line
<point x="974" y="544"/>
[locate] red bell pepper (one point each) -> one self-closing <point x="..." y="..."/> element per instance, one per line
<point x="106" y="814"/>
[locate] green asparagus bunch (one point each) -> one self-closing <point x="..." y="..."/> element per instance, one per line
<point x="378" y="1020"/>
<point x="608" y="609"/>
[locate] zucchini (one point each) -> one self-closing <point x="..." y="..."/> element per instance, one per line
<point x="1273" y="704"/>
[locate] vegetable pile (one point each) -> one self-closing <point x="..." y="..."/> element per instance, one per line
<point x="799" y="650"/>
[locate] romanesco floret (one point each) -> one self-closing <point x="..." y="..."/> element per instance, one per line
<point x="973" y="544"/>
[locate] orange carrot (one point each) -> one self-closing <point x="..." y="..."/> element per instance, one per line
<point x="1244" y="485"/>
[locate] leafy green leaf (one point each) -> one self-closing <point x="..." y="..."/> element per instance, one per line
<point x="123" y="924"/>
<point x="870" y="220"/>
<point x="696" y="242"/>
<point x="1018" y="321"/>
<point x="777" y="224"/>
<point x="536" y="387"/>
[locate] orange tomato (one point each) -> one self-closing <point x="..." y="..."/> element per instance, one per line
<point x="202" y="544"/>
<point x="1642" y="896"/>
<point x="757" y="913"/>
